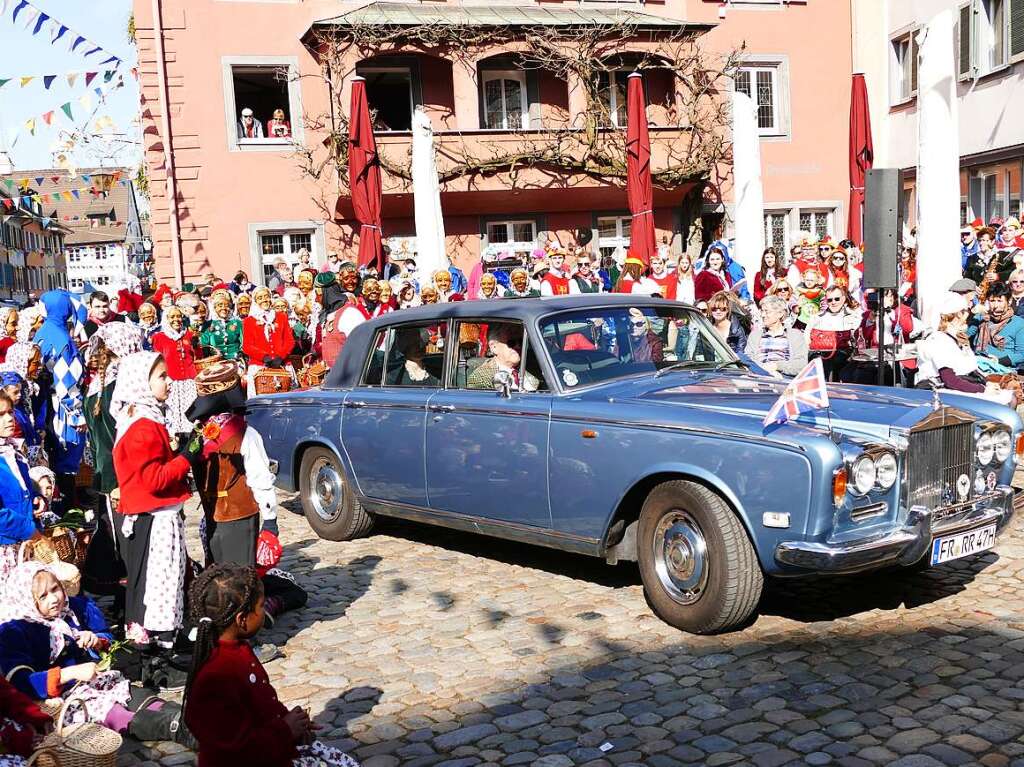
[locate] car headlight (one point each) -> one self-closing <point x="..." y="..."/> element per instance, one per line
<point x="985" y="448"/>
<point x="1003" y="444"/>
<point x="862" y="475"/>
<point x="886" y="469"/>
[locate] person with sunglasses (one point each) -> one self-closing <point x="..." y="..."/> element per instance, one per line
<point x="728" y="326"/>
<point x="830" y="332"/>
<point x="969" y="245"/>
<point x="841" y="274"/>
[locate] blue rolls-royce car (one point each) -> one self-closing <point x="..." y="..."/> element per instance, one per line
<point x="622" y="427"/>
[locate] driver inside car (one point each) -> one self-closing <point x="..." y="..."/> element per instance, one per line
<point x="504" y="343"/>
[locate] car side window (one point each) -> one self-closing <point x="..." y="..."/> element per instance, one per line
<point x="489" y="350"/>
<point x="374" y="366"/>
<point x="414" y="356"/>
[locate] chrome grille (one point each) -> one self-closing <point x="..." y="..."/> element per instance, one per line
<point x="935" y="459"/>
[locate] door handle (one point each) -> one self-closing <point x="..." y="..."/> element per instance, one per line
<point x="442" y="408"/>
<point x="355" y="403"/>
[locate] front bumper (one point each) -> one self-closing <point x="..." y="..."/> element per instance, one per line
<point x="904" y="546"/>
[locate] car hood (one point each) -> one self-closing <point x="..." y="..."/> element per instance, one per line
<point x="856" y="411"/>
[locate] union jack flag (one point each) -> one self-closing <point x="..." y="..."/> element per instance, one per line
<point x="806" y="392"/>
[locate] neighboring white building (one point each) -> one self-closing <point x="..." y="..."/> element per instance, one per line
<point x="990" y="73"/>
<point x="101" y="265"/>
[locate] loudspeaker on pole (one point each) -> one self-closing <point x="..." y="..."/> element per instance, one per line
<point x="882" y="227"/>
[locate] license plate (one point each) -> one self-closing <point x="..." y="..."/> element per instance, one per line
<point x="964" y="544"/>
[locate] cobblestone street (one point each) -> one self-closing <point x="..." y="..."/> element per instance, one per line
<point x="424" y="647"/>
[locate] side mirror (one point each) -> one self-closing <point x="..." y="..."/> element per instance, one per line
<point x="503" y="383"/>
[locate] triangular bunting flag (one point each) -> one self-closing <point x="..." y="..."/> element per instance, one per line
<point x="29" y="16"/>
<point x="108" y="75"/>
<point x="135" y="72"/>
<point x="55" y="179"/>
<point x="39" y="23"/>
<point x="23" y="4"/>
<point x="89" y="76"/>
<point x="26" y="80"/>
<point x="4" y="81"/>
<point x="86" y="101"/>
<point x="23" y="183"/>
<point x="3" y="8"/>
<point x="67" y="110"/>
<point x="72" y="77"/>
<point x="46" y="198"/>
<point x="60" y="33"/>
<point x="48" y="117"/>
<point x="39" y="180"/>
<point x="97" y="49"/>
<point x="78" y="41"/>
<point x="86" y="178"/>
<point x="35" y="198"/>
<point x="9" y="183"/>
<point x="112" y="60"/>
<point x="30" y="125"/>
<point x="75" y="193"/>
<point x="98" y="91"/>
<point x="9" y="203"/>
<point x="48" y="81"/>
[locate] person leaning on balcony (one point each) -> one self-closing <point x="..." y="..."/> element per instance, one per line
<point x="278" y="126"/>
<point x="774" y="344"/>
<point x="249" y="126"/>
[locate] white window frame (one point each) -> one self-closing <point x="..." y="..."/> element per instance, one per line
<point x="318" y="244"/>
<point x="231" y="108"/>
<point x="614" y="78"/>
<point x="787" y="229"/>
<point x="830" y="218"/>
<point x="620" y="240"/>
<point x="407" y="71"/>
<point x="982" y="36"/>
<point x="515" y="246"/>
<point x="901" y="71"/>
<point x="489" y="75"/>
<point x="778" y="65"/>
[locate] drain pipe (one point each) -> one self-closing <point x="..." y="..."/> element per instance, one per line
<point x="165" y="109"/>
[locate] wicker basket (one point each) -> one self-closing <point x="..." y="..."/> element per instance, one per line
<point x="44" y="757"/>
<point x="41" y="550"/>
<point x="82" y="745"/>
<point x="272" y="381"/>
<point x="312" y="373"/>
<point x="205" y="362"/>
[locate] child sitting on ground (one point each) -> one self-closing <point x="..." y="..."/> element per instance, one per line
<point x="230" y="705"/>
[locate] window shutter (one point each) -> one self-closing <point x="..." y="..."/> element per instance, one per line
<point x="1016" y="27"/>
<point x="965" y="26"/>
<point x="913" y="60"/>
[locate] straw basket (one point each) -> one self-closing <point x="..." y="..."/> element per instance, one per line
<point x="272" y="381"/>
<point x="82" y="745"/>
<point x="205" y="362"/>
<point x="312" y="373"/>
<point x="51" y="706"/>
<point x="41" y="550"/>
<point x="44" y="758"/>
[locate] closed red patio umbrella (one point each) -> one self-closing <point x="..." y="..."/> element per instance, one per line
<point x="638" y="171"/>
<point x="364" y="177"/>
<point x="861" y="156"/>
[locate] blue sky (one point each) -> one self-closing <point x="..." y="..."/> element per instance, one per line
<point x="104" y="22"/>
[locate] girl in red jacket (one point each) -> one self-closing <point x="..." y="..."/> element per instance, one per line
<point x="230" y="706"/>
<point x="174" y="344"/>
<point x="267" y="338"/>
<point x="149" y="518"/>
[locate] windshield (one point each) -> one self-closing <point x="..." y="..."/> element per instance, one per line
<point x="600" y="344"/>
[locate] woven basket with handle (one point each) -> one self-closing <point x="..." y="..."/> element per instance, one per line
<point x="205" y="362"/>
<point x="312" y="373"/>
<point x="81" y="745"/>
<point x="42" y="550"/>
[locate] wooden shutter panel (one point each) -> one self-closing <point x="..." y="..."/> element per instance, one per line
<point x="1016" y="27"/>
<point x="965" y="25"/>
<point x="913" y="60"/>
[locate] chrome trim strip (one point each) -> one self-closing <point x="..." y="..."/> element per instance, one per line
<point x="554" y="539"/>
<point x="860" y="513"/>
<point x="457" y="409"/>
<point x="775" y="441"/>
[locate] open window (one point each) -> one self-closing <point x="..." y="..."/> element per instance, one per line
<point x="488" y="350"/>
<point x="390" y="95"/>
<point x="262" y="103"/>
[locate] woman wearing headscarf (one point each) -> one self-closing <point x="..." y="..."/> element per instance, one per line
<point x="149" y="323"/>
<point x="174" y="343"/>
<point x="26" y="360"/>
<point x="17" y="498"/>
<point x="104" y="567"/>
<point x="267" y="338"/>
<point x="30" y="319"/>
<point x="149" y="518"/>
<point x="31" y="438"/>
<point x="65" y="433"/>
<point x="8" y="329"/>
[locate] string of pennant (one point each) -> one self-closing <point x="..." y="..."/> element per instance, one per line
<point x="65" y="195"/>
<point x="72" y="78"/>
<point x="33" y="19"/>
<point x="67" y="110"/>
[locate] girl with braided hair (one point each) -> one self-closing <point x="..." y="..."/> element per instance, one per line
<point x="230" y="706"/>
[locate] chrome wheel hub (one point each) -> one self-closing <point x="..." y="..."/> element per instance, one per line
<point x="326" y="490"/>
<point x="680" y="557"/>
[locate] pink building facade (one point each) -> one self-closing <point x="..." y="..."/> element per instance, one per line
<point x="227" y="196"/>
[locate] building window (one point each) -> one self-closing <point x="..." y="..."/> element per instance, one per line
<point x="762" y="83"/>
<point x="776" y="231"/>
<point x="505" y="102"/>
<point x="986" y="36"/>
<point x="516" y="237"/>
<point x="611" y="90"/>
<point x="389" y="93"/>
<point x="817" y="222"/>
<point x="903" y="68"/>
<point x="613" y="234"/>
<point x="261" y="102"/>
<point x="286" y="245"/>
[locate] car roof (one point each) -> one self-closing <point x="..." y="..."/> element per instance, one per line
<point x="348" y="368"/>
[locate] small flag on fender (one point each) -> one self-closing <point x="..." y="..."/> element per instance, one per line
<point x="805" y="393"/>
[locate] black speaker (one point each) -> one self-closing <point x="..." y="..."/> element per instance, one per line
<point x="882" y="226"/>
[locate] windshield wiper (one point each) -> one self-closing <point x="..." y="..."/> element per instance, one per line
<point x="680" y="365"/>
<point x="727" y="363"/>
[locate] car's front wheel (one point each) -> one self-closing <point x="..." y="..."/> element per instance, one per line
<point x="699" y="570"/>
<point x="331" y="507"/>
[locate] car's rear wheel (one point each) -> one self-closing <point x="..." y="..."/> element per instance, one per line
<point x="331" y="507"/>
<point x="699" y="570"/>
